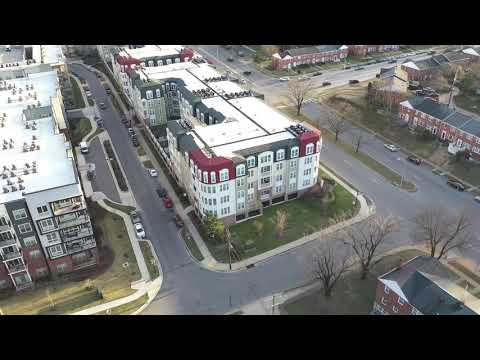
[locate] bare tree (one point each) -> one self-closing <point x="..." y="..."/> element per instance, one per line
<point x="357" y="141"/>
<point x="279" y="223"/>
<point x="442" y="231"/>
<point x="367" y="238"/>
<point x="328" y="268"/>
<point x="297" y="91"/>
<point x="337" y="124"/>
<point x="258" y="225"/>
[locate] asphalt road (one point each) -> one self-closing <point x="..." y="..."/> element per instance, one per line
<point x="189" y="288"/>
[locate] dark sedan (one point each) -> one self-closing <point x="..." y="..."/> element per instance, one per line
<point x="414" y="160"/>
<point x="456" y="185"/>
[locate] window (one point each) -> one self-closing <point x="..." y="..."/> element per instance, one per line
<point x="41" y="272"/>
<point x="55" y="250"/>
<point x="307" y="172"/>
<point x="240" y="170"/>
<point x="265" y="181"/>
<point x="47" y="224"/>
<point x="250" y="196"/>
<point x="42" y="209"/>
<point x="265" y="169"/>
<point x="293" y="163"/>
<point x="308" y="160"/>
<point x="212" y="177"/>
<point x="158" y="93"/>
<point x="293" y="175"/>
<point x="52" y="237"/>
<point x="292" y="186"/>
<point x="19" y="214"/>
<point x="29" y="241"/>
<point x="214" y="202"/>
<point x="210" y="202"/>
<point x="279" y="166"/>
<point x="150" y="63"/>
<point x="250" y="185"/>
<point x="251" y="161"/>
<point x="309" y="149"/>
<point x="241" y="182"/>
<point x="280" y="154"/>
<point x="250" y="173"/>
<point x="62" y="267"/>
<point x="306" y="182"/>
<point x="400" y="301"/>
<point x="294" y="152"/>
<point x="205" y="177"/>
<point x="25" y="228"/>
<point x="241" y="194"/>
<point x="266" y="158"/>
<point x="279" y="178"/>
<point x="160" y="63"/>
<point x="209" y="189"/>
<point x="35" y="254"/>
<point x="149" y="94"/>
<point x="223" y="175"/>
<point x="241" y="206"/>
<point x="279" y="188"/>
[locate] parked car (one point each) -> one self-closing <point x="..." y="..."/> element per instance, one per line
<point x="286" y="78"/>
<point x="131" y="131"/>
<point x="456" y="185"/>
<point x="391" y="147"/>
<point x="326" y="83"/>
<point x="360" y="68"/>
<point x="414" y="160"/>
<point x="247" y="72"/>
<point x="88" y="93"/>
<point x="348" y="67"/>
<point x="167" y="202"/>
<point x="161" y="192"/>
<point x="353" y="81"/>
<point x="102" y="106"/>
<point x="477" y="199"/>
<point x="135" y="217"/>
<point x="136" y="143"/>
<point x="230" y="58"/>
<point x="153" y="172"/>
<point x="303" y="78"/>
<point x="392" y="61"/>
<point x="433" y="52"/>
<point x="139" y="230"/>
<point x="318" y="73"/>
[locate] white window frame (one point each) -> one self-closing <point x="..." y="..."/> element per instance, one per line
<point x="19" y="214"/>
<point x="224" y="175"/>
<point x="309" y="149"/>
<point x="213" y="177"/>
<point x="43" y="208"/>
<point x="241" y="170"/>
<point x="29" y="241"/>
<point x="294" y="151"/>
<point x="251" y="161"/>
<point x="205" y="177"/>
<point x="280" y="154"/>
<point x="22" y="226"/>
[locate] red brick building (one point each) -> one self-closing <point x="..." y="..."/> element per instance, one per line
<point x="363" y="50"/>
<point x="309" y="55"/>
<point x="422" y="286"/>
<point x="460" y="130"/>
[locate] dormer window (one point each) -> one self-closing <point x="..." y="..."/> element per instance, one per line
<point x="213" y="177"/>
<point x="309" y="149"/>
<point x="294" y="152"/>
<point x="280" y="155"/>
<point x="224" y="175"/>
<point x="240" y="170"/>
<point x="251" y="161"/>
<point x="149" y="94"/>
<point x="158" y="93"/>
<point x="205" y="177"/>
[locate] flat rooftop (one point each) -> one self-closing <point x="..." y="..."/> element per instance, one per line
<point x="16" y="54"/>
<point x="33" y="157"/>
<point x="150" y="51"/>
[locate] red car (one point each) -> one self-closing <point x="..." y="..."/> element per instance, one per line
<point x="167" y="202"/>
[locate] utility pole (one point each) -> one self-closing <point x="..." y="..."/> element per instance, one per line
<point x="451" y="88"/>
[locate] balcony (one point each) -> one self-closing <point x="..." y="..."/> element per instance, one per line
<point x="60" y="209"/>
<point x="11" y="255"/>
<point x="12" y="269"/>
<point x="77" y="221"/>
<point x="9" y="242"/>
<point x="78" y="234"/>
<point x="79" y="245"/>
<point x="5" y="227"/>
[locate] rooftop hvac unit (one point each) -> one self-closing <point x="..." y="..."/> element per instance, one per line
<point x="14" y="188"/>
<point x="21" y="187"/>
<point x="5" y="189"/>
<point x="26" y="172"/>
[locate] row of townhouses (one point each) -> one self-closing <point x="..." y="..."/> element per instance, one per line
<point x="232" y="153"/>
<point x="324" y="54"/>
<point x="460" y="130"/>
<point x="45" y="227"/>
<point x="425" y="69"/>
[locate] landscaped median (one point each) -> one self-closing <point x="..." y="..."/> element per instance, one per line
<point x="122" y="183"/>
<point x="77" y="94"/>
<point x="110" y="280"/>
<point x="80" y="127"/>
<point x="386" y="172"/>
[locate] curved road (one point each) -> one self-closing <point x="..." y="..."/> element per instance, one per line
<point x="188" y="288"/>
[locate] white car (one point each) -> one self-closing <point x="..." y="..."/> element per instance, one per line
<point x="477" y="199"/>
<point x="139" y="230"/>
<point x="153" y="172"/>
<point x="391" y="147"/>
<point x="286" y="78"/>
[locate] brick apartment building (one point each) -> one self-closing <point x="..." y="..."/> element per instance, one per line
<point x="309" y="55"/>
<point x="364" y="50"/>
<point x="44" y="224"/>
<point x="422" y="286"/>
<point x="460" y="130"/>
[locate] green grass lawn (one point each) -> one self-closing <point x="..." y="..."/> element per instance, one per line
<point x="149" y="259"/>
<point x="468" y="102"/>
<point x="95" y="133"/>
<point x="148" y="164"/>
<point x="191" y="245"/>
<point x="305" y="216"/>
<point x="77" y="94"/>
<point x="141" y="151"/>
<point x="70" y="293"/>
<point x="465" y="170"/>
<point x="474" y="276"/>
<point x="373" y="164"/>
<point x="80" y="127"/>
<point x="127" y="309"/>
<point x="351" y="296"/>
<point x="123" y="208"/>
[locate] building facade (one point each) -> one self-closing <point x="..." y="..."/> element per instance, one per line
<point x="310" y="55"/>
<point x="364" y="50"/>
<point x="460" y="130"/>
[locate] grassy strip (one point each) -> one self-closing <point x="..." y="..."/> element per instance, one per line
<point x="148" y="164"/>
<point x="351" y="295"/>
<point x="178" y="190"/>
<point x="95" y="133"/>
<point x="149" y="259"/>
<point x="141" y="151"/>
<point x="191" y="245"/>
<point x="338" y="176"/>
<point x="77" y="94"/>
<point x="127" y="309"/>
<point x="80" y="128"/>
<point x="373" y="164"/>
<point x="123" y="208"/>
<point x="466" y="271"/>
<point x="122" y="183"/>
